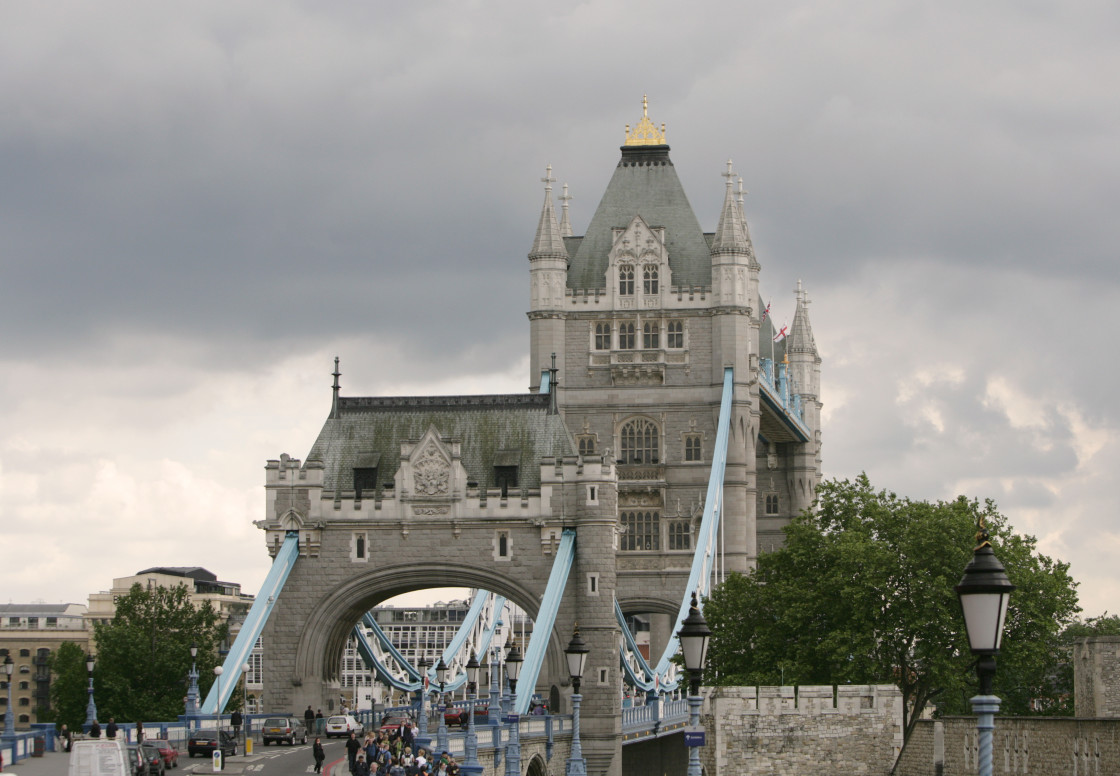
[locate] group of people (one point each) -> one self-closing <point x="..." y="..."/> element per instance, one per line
<point x="390" y="753"/>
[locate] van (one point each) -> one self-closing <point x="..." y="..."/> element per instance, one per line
<point x="101" y="757"/>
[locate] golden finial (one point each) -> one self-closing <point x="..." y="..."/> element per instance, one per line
<point x="983" y="538"/>
<point x="645" y="133"/>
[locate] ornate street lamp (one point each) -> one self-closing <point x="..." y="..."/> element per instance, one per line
<point x="984" y="592"/>
<point x="441" y="731"/>
<point x="218" y="698"/>
<point x="513" y="747"/>
<point x="471" y="765"/>
<point x="423" y="665"/>
<point x="576" y="654"/>
<point x="245" y="698"/>
<point x="91" y="707"/>
<point x="9" y="718"/>
<point x="694" y="636"/>
<point x="494" y="709"/>
<point x="192" y="691"/>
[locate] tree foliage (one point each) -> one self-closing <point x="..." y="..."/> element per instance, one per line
<point x="143" y="654"/>
<point x="862" y="592"/>
<point x="69" y="686"/>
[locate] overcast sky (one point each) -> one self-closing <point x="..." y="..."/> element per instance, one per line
<point x="202" y="203"/>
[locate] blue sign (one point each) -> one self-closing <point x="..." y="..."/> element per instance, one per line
<point x="694" y="736"/>
<point x="511" y="719"/>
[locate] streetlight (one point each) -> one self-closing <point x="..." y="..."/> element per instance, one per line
<point x="91" y="707"/>
<point x="9" y="718"/>
<point x="218" y="700"/>
<point x="694" y="636"/>
<point x="441" y="731"/>
<point x="192" y="691"/>
<point x="471" y="765"/>
<point x="576" y="653"/>
<point x="984" y="592"/>
<point x="513" y="747"/>
<point x="423" y="665"/>
<point x="245" y="695"/>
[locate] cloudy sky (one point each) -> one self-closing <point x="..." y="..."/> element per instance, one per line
<point x="201" y="204"/>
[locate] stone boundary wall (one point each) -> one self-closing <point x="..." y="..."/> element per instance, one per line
<point x="1046" y="746"/>
<point x="1096" y="666"/>
<point x="806" y="731"/>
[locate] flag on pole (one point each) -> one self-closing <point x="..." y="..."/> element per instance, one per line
<point x="782" y="332"/>
<point x="765" y="313"/>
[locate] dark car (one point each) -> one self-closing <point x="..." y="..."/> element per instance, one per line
<point x="457" y="715"/>
<point x="277" y="729"/>
<point x="152" y="758"/>
<point x="170" y="753"/>
<point x="204" y="742"/>
<point x="136" y="760"/>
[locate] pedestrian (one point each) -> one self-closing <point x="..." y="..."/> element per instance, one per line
<point x="320" y="723"/>
<point x="353" y="746"/>
<point x="308" y="717"/>
<point x="64" y="734"/>
<point x="139" y="732"/>
<point x="95" y="730"/>
<point x="235" y="720"/>
<point x="111" y="729"/>
<point x="319" y="755"/>
<point x="361" y="767"/>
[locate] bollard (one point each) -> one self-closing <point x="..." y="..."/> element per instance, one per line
<point x="217" y="759"/>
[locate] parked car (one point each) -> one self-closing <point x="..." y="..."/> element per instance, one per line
<point x="169" y="753"/>
<point x="342" y="725"/>
<point x="390" y="724"/>
<point x="204" y="742"/>
<point x="457" y="715"/>
<point x="153" y="759"/>
<point x="136" y="761"/>
<point x="279" y="729"/>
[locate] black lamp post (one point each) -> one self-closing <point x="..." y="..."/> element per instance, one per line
<point x="471" y="765"/>
<point x="9" y="718"/>
<point x="441" y="731"/>
<point x="694" y="636"/>
<point x="423" y="665"/>
<point x="984" y="592"/>
<point x="576" y="654"/>
<point x="91" y="707"/>
<point x="513" y="746"/>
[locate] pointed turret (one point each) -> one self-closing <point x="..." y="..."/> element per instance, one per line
<point x="549" y="242"/>
<point x="801" y="332"/>
<point x="731" y="234"/>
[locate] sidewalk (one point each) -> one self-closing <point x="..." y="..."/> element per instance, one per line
<point x="50" y="764"/>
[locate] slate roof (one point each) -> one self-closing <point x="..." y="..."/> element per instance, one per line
<point x="491" y="429"/>
<point x="644" y="183"/>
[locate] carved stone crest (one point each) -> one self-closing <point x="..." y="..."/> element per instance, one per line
<point x="431" y="473"/>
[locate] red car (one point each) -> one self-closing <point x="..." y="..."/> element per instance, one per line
<point x="169" y="753"/>
<point x="391" y="724"/>
<point x="457" y="715"/>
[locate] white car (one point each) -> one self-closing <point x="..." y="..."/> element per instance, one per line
<point x="342" y="726"/>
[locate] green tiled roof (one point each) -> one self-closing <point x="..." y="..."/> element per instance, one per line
<point x="501" y="430"/>
<point x="646" y="184"/>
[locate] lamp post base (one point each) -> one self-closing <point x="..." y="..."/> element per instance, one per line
<point x="985" y="707"/>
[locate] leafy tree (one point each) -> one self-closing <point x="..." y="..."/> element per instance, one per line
<point x="862" y="592"/>
<point x="143" y="654"/>
<point x="68" y="686"/>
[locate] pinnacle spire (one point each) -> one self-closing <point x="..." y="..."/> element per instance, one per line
<point x="801" y="332"/>
<point x="731" y="234"/>
<point x="565" y="223"/>
<point x="549" y="241"/>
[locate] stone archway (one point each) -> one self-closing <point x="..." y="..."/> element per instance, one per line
<point x="537" y="767"/>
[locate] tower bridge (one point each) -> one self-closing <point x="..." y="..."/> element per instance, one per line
<point x="659" y="448"/>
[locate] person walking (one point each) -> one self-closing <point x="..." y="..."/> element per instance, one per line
<point x="319" y="755"/>
<point x="308" y="717"/>
<point x="353" y="746"/>
<point x="235" y="721"/>
<point x="64" y="734"/>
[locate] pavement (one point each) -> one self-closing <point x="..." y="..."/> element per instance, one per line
<point x="58" y="764"/>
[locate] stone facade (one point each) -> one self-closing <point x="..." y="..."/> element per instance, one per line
<point x="1096" y="668"/>
<point x="787" y="731"/>
<point x="1046" y="746"/>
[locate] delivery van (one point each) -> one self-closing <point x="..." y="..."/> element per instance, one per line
<point x="101" y="757"/>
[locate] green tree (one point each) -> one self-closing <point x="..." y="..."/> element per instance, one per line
<point x="143" y="653"/>
<point x="862" y="592"/>
<point x="69" y="686"/>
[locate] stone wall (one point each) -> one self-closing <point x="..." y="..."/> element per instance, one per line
<point x="854" y="729"/>
<point x="1096" y="666"/>
<point x="1046" y="746"/>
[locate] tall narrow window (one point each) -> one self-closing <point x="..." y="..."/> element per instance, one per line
<point x="641" y="531"/>
<point x="649" y="279"/>
<point x="639" y="442"/>
<point x="651" y="335"/>
<point x="626" y="337"/>
<point x="692" y="447"/>
<point x="587" y="445"/>
<point x="602" y="336"/>
<point x="675" y="334"/>
<point x="771" y="503"/>
<point x="679" y="536"/>
<point x="626" y="280"/>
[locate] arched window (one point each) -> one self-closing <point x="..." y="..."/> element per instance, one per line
<point x="626" y="280"/>
<point x="649" y="279"/>
<point x="602" y="336"/>
<point x="651" y="335"/>
<point x="676" y="334"/>
<point x="626" y="338"/>
<point x="639" y="440"/>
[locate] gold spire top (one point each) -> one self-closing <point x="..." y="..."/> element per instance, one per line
<point x="645" y="133"/>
